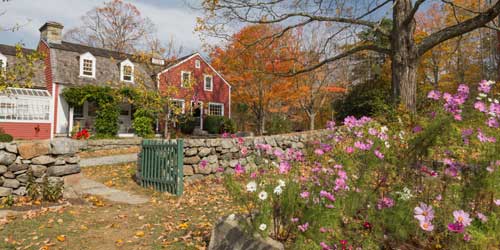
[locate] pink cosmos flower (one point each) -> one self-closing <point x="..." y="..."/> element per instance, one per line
<point x="225" y="135"/>
<point x="439" y="197"/>
<point x="484" y="138"/>
<point x="417" y="129"/>
<point x="349" y="150"/>
<point x="330" y="125"/>
<point x="304" y="195"/>
<point x="220" y="169"/>
<point x="495" y="108"/>
<point x="239" y="169"/>
<point x="479" y="105"/>
<point x="241" y="140"/>
<point x="373" y="131"/>
<point x="434" y="94"/>
<point x="462" y="217"/>
<point x="467" y="237"/>
<point x="253" y="175"/>
<point x="284" y="167"/>
<point x="340" y="184"/>
<point x="456" y="227"/>
<point x="426" y="226"/>
<point x="378" y="154"/>
<point x="203" y="164"/>
<point x="294" y="220"/>
<point x="482" y="217"/>
<point x="492" y="122"/>
<point x="484" y="87"/>
<point x="327" y="195"/>
<point x="319" y="151"/>
<point x="278" y="153"/>
<point x="497" y="202"/>
<point x="324" y="246"/>
<point x="244" y="151"/>
<point x="303" y="227"/>
<point x="322" y="230"/>
<point x="423" y="212"/>
<point x="385" y="202"/>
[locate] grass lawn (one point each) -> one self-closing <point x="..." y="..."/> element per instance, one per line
<point x="166" y="222"/>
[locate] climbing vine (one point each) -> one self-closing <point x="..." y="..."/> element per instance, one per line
<point x="106" y="99"/>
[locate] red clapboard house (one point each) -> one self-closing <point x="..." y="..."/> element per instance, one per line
<point x="197" y="80"/>
<point x="39" y="111"/>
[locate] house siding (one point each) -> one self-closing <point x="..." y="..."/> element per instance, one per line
<point x="220" y="92"/>
<point x="26" y="131"/>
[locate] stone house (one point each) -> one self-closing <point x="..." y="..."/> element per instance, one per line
<point x="68" y="65"/>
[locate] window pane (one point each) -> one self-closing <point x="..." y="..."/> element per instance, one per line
<point x="127" y="73"/>
<point x="215" y="109"/>
<point x="87" y="67"/>
<point x="208" y="82"/>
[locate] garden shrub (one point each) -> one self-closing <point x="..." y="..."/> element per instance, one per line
<point x="228" y="125"/>
<point x="213" y="124"/>
<point x="106" y="121"/>
<point x="143" y="126"/>
<point x="187" y="124"/>
<point x="6" y="138"/>
<point x="426" y="183"/>
<point x="278" y="124"/>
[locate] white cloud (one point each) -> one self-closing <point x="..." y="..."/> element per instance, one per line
<point x="173" y="22"/>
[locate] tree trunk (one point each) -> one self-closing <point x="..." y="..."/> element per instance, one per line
<point x="312" y="117"/>
<point x="404" y="57"/>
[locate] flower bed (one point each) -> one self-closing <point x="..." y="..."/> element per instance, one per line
<point x="428" y="182"/>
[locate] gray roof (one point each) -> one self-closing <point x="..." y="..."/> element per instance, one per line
<point x="66" y="65"/>
<point x="38" y="79"/>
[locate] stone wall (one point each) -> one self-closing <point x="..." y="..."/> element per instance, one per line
<point x="224" y="152"/>
<point x="52" y="159"/>
<point x="93" y="145"/>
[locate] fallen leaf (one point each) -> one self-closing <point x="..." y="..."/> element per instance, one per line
<point x="61" y="238"/>
<point x="139" y="233"/>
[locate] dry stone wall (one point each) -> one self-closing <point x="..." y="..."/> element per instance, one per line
<point x="54" y="159"/>
<point x="223" y="153"/>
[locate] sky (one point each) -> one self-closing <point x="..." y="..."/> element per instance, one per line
<point x="173" y="18"/>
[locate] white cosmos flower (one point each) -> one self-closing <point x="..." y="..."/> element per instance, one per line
<point x="263" y="195"/>
<point x="278" y="190"/>
<point x="252" y="186"/>
<point x="262" y="227"/>
<point x="266" y="161"/>
<point x="275" y="164"/>
<point x="281" y="183"/>
<point x="387" y="144"/>
<point x="482" y="95"/>
<point x="231" y="217"/>
<point x="384" y="129"/>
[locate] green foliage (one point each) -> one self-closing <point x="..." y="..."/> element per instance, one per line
<point x="143" y="126"/>
<point x="22" y="71"/>
<point x="229" y="125"/>
<point x="365" y="99"/>
<point x="8" y="201"/>
<point x="187" y="124"/>
<point x="6" y="138"/>
<point x="46" y="190"/>
<point x="279" y="125"/>
<point x="106" y="121"/>
<point x="213" y="124"/>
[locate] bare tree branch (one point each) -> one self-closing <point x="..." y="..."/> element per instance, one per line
<point x="458" y="29"/>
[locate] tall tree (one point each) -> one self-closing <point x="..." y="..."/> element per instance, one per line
<point x="344" y="15"/>
<point x="247" y="69"/>
<point x="116" y="25"/>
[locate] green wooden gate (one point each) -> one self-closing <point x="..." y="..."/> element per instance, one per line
<point x="161" y="165"/>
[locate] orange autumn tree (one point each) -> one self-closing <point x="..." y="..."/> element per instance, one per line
<point x="251" y="69"/>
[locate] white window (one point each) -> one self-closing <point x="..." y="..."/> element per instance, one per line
<point x="197" y="64"/>
<point x="179" y="105"/>
<point x="17" y="104"/>
<point x="185" y="78"/>
<point x="87" y="65"/>
<point x="208" y="83"/>
<point x="215" y="109"/>
<point x="127" y="71"/>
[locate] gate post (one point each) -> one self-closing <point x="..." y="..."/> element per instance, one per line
<point x="180" y="167"/>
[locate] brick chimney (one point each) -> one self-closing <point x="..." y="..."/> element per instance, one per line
<point x="51" y="32"/>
